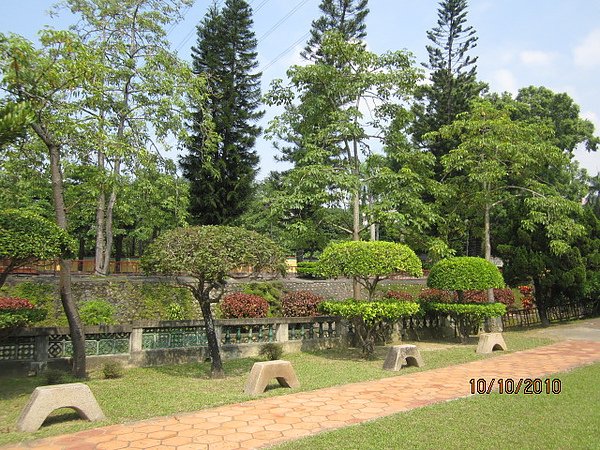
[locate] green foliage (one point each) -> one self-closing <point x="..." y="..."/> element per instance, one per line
<point x="19" y="312"/>
<point x="113" y="369"/>
<point x="271" y="351"/>
<point x="369" y="262"/>
<point x="308" y="269"/>
<point x="271" y="291"/>
<point x="26" y="237"/>
<point x="346" y="17"/>
<point x="239" y="306"/>
<point x="97" y="312"/>
<point x="175" y="312"/>
<point x="210" y="253"/>
<point x="464" y="273"/>
<point x="370" y="319"/>
<point x="221" y="181"/>
<point x="468" y="317"/>
<point x="300" y="304"/>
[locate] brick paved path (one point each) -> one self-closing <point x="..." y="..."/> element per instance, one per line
<point x="264" y="422"/>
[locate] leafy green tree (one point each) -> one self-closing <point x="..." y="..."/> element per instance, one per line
<point x="221" y="181"/>
<point x="206" y="255"/>
<point x="370" y="319"/>
<point x="496" y="158"/>
<point x="26" y="238"/>
<point x="141" y="98"/>
<point x="561" y="113"/>
<point x="14" y="119"/>
<point x="368" y="262"/>
<point x="49" y="80"/>
<point x="329" y="171"/>
<point x="453" y="77"/>
<point x="345" y="16"/>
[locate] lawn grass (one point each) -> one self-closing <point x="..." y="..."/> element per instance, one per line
<point x="157" y="391"/>
<point x="570" y="419"/>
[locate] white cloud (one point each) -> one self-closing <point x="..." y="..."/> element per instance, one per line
<point x="536" y="57"/>
<point x="587" y="53"/>
<point x="503" y="80"/>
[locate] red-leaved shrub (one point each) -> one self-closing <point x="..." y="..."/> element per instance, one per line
<point x="527" y="299"/>
<point x="15" y="303"/>
<point x="19" y="312"/>
<point x="435" y="295"/>
<point x="400" y="296"/>
<point x="300" y="304"/>
<point x="505" y="296"/>
<point x="239" y="305"/>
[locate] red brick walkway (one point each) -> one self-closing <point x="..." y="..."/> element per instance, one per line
<point x="267" y="421"/>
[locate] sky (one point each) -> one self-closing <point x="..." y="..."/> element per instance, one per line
<point x="551" y="43"/>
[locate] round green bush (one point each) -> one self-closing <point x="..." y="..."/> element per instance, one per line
<point x="464" y="273"/>
<point x="97" y="312"/>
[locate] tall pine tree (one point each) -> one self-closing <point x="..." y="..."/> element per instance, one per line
<point x="453" y="76"/>
<point x="221" y="181"/>
<point x="345" y="16"/>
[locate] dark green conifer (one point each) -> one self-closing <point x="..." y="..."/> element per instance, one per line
<point x="345" y="16"/>
<point x="453" y="76"/>
<point x="221" y="187"/>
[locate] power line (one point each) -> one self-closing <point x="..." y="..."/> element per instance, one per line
<point x="285" y="52"/>
<point x="282" y="20"/>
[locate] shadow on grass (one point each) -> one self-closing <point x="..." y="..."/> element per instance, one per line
<point x="232" y="368"/>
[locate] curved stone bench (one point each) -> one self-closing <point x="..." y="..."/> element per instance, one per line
<point x="46" y="399"/>
<point x="263" y="372"/>
<point x="489" y="342"/>
<point x="399" y="355"/>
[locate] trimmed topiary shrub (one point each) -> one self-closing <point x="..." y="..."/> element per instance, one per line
<point x="239" y="305"/>
<point x="113" y="369"/>
<point x="468" y="317"/>
<point x="300" y="304"/>
<point x="271" y="351"/>
<point x="400" y="296"/>
<point x="19" y="312"/>
<point x="368" y="262"/>
<point x="370" y="319"/>
<point x="97" y="312"/>
<point x="463" y="274"/>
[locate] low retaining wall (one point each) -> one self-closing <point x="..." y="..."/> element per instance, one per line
<point x="148" y="343"/>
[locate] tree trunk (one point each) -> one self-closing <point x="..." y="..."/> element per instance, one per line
<point x="75" y="325"/>
<point x="99" y="268"/>
<point x="118" y="252"/>
<point x="356" y="215"/>
<point x="540" y="303"/>
<point x="4" y="274"/>
<point x="493" y="324"/>
<point x="216" y="370"/>
<point x="81" y="254"/>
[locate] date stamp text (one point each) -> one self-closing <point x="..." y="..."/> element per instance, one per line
<point x="529" y="386"/>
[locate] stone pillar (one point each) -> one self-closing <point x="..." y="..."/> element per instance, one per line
<point x="40" y="354"/>
<point x="135" y="340"/>
<point x="281" y="335"/>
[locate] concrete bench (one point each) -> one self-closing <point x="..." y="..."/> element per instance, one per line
<point x="399" y="355"/>
<point x="263" y="372"/>
<point x="488" y="342"/>
<point x="46" y="399"/>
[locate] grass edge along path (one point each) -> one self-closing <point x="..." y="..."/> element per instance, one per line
<point x="570" y="419"/>
<point x="267" y="421"/>
<point x="149" y="392"/>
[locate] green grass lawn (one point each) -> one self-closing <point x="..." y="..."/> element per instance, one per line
<point x="569" y="420"/>
<point x="157" y="391"/>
